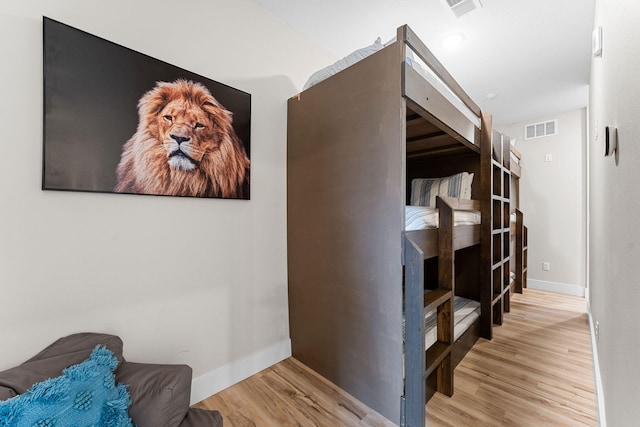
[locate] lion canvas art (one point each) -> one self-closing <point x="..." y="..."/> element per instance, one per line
<point x="119" y="121"/>
<point x="184" y="145"/>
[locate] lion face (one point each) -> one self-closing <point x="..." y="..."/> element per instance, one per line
<point x="187" y="134"/>
<point x="185" y="145"/>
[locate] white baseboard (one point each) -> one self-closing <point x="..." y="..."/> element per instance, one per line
<point x="215" y="381"/>
<point x="562" y="288"/>
<point x="602" y="420"/>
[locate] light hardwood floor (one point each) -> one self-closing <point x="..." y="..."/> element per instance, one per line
<point x="537" y="371"/>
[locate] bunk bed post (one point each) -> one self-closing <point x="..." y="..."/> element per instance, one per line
<point x="414" y="358"/>
<point x="406" y="34"/>
<point x="446" y="279"/>
<point x="521" y="269"/>
<point x="401" y="37"/>
<point x="525" y="250"/>
<point x="486" y="317"/>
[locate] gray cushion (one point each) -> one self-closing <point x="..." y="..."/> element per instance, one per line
<point x="6" y="393"/>
<point x="202" y="418"/>
<point x="160" y="394"/>
<point x="50" y="362"/>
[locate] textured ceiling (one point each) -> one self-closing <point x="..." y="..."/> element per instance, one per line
<point x="534" y="55"/>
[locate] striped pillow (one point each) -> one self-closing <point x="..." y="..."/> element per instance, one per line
<point x="425" y="190"/>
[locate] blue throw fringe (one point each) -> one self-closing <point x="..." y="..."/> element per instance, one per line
<point x="84" y="395"/>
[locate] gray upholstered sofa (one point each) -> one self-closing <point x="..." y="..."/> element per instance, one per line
<point x="160" y="394"/>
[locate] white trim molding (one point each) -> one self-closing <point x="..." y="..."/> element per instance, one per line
<point x="602" y="419"/>
<point x="562" y="288"/>
<point x="215" y="381"/>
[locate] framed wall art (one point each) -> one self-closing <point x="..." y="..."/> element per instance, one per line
<point x="118" y="121"/>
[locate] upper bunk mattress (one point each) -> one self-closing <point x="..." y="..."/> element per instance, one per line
<point x="411" y="60"/>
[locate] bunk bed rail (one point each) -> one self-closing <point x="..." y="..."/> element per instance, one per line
<point x="443" y="99"/>
<point x="466" y="235"/>
<point x="410" y="38"/>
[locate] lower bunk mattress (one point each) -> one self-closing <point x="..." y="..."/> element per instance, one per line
<point x="421" y="217"/>
<point x="465" y="313"/>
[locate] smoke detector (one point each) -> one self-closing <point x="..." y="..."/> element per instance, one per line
<point x="462" y="7"/>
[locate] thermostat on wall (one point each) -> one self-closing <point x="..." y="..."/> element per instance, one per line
<point x="610" y="140"/>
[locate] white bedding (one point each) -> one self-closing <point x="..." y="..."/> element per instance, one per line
<point x="421" y="217"/>
<point x="411" y="60"/>
<point x="465" y="312"/>
<point x="343" y="63"/>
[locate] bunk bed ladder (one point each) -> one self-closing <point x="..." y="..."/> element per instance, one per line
<point x="446" y="279"/>
<point x="417" y="303"/>
<point x="486" y="254"/>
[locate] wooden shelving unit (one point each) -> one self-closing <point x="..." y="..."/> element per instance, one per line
<point x="496" y="244"/>
<point x="500" y="226"/>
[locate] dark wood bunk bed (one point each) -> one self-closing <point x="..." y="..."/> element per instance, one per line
<point x="355" y="143"/>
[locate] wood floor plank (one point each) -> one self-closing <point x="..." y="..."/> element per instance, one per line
<point x="291" y="394"/>
<point x="537" y="371"/>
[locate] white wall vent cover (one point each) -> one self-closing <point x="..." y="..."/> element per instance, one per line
<point x="538" y="130"/>
<point x="462" y="7"/>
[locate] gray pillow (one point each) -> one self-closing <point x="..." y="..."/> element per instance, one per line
<point x="160" y="394"/>
<point x="425" y="190"/>
<point x="6" y="393"/>
<point x="50" y="362"/>
<point x="202" y="418"/>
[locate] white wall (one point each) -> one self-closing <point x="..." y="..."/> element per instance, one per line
<point x="614" y="202"/>
<point x="213" y="295"/>
<point x="553" y="200"/>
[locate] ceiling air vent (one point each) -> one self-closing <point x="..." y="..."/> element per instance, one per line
<point x="462" y="7"/>
<point x="538" y="130"/>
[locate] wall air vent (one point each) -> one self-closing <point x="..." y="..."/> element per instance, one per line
<point x="462" y="7"/>
<point x="538" y="130"/>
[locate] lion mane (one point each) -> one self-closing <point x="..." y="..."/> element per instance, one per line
<point x="184" y="145"/>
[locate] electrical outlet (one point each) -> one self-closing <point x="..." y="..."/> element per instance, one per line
<point x="546" y="266"/>
<point x="596" y="330"/>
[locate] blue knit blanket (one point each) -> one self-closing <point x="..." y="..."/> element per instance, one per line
<point x="85" y="395"/>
